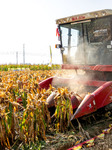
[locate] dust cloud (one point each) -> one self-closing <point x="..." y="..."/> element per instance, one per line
<point x="73" y="81"/>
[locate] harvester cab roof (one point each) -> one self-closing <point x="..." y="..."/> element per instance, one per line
<point x="86" y="39"/>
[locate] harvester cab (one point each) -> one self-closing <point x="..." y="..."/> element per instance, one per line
<point x="86" y="39"/>
<point x="85" y="42"/>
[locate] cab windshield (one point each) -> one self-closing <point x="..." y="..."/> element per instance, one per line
<point x="87" y="42"/>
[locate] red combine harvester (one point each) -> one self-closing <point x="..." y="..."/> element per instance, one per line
<point x="86" y="44"/>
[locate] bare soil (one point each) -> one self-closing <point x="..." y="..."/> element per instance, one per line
<point x="63" y="141"/>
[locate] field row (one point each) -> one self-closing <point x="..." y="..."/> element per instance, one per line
<point x="24" y="114"/>
<point x="31" y="67"/>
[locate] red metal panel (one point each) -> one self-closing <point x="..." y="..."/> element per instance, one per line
<point x="103" y="68"/>
<point x="107" y="68"/>
<point x="83" y="67"/>
<point x="75" y="102"/>
<point x="98" y="99"/>
<point x="103" y="95"/>
<point x="87" y="106"/>
<point x="45" y="84"/>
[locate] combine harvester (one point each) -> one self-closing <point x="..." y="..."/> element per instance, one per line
<point x="86" y="44"/>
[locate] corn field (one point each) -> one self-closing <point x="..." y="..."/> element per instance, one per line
<point x="24" y="115"/>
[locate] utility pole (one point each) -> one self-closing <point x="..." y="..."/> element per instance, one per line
<point x="23" y="53"/>
<point x="16" y="57"/>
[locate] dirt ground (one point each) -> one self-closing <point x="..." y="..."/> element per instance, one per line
<point x="64" y="141"/>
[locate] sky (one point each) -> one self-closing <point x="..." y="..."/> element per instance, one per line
<point x="32" y="23"/>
